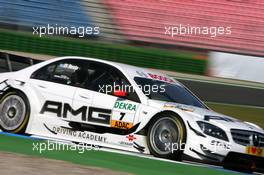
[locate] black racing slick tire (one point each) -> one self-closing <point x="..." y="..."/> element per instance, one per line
<point x="167" y="136"/>
<point x="14" y="112"/>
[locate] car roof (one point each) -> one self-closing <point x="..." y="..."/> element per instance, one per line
<point x="129" y="70"/>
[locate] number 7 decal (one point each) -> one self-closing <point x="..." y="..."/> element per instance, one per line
<point x="122" y="115"/>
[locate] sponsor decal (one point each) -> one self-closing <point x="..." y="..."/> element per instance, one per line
<point x="224" y="146"/>
<point x="91" y="114"/>
<point x="161" y="78"/>
<point x="121" y="124"/>
<point x="135" y="145"/>
<point x="92" y="137"/>
<point x="256" y="151"/>
<point x="155" y="77"/>
<point x="69" y="66"/>
<point x="77" y="134"/>
<point x="131" y="137"/>
<point x="184" y="108"/>
<point x="125" y="106"/>
<point x="126" y="143"/>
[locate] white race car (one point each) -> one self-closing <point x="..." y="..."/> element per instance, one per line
<point x="123" y="107"/>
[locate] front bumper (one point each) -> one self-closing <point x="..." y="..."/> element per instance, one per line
<point x="243" y="162"/>
<point x="233" y="160"/>
<point x="230" y="154"/>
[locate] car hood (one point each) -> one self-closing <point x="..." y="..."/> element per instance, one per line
<point x="201" y="114"/>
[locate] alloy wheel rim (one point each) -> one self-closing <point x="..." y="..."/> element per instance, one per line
<point x="13" y="111"/>
<point x="165" y="136"/>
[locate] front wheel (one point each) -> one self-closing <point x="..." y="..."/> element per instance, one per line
<point x="14" y="112"/>
<point x="166" y="137"/>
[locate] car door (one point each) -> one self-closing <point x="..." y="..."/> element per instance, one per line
<point x="109" y="108"/>
<point x="55" y="86"/>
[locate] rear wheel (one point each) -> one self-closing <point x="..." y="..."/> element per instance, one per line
<point x="166" y="137"/>
<point x="14" y="112"/>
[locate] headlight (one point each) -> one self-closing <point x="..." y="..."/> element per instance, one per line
<point x="212" y="130"/>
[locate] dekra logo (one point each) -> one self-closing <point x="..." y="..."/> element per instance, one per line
<point x="125" y="106"/>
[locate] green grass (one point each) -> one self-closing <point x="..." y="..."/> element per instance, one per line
<point x="245" y="113"/>
<point x="114" y="161"/>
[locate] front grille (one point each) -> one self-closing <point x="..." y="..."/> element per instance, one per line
<point x="244" y="137"/>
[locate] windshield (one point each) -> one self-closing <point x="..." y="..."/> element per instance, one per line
<point x="169" y="92"/>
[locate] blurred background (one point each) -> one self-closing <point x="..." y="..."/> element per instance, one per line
<point x="135" y="32"/>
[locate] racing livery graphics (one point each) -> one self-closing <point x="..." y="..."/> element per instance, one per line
<point x="122" y="107"/>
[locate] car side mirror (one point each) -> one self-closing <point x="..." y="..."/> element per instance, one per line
<point x="120" y="93"/>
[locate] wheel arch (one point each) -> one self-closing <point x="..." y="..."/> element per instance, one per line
<point x="144" y="130"/>
<point x="28" y="93"/>
<point x="11" y="89"/>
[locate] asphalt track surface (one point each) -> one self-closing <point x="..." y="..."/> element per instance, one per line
<point x="225" y="93"/>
